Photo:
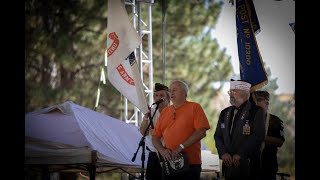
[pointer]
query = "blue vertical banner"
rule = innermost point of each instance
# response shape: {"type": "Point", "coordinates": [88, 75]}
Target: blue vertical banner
{"type": "Point", "coordinates": [250, 61]}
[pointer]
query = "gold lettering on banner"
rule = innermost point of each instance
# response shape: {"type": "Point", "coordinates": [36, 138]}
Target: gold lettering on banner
{"type": "Point", "coordinates": [246, 32]}
{"type": "Point", "coordinates": [248, 53]}
{"type": "Point", "coordinates": [243, 14]}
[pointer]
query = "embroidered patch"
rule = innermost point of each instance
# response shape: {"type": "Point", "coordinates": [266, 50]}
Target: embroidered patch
{"type": "Point", "coordinates": [222, 126]}
{"type": "Point", "coordinates": [246, 128]}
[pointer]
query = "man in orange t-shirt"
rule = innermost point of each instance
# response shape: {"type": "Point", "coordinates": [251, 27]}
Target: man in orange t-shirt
{"type": "Point", "coordinates": [182, 126]}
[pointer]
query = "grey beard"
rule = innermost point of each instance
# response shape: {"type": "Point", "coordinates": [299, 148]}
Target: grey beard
{"type": "Point", "coordinates": [236, 102]}
{"type": "Point", "coordinates": [232, 101]}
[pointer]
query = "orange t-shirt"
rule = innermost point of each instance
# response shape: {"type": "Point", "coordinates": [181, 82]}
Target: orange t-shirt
{"type": "Point", "coordinates": [188, 117]}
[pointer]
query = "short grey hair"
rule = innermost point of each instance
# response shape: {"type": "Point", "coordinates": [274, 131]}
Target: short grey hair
{"type": "Point", "coordinates": [181, 84]}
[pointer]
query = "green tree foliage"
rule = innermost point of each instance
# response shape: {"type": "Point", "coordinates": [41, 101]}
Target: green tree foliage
{"type": "Point", "coordinates": [65, 42]}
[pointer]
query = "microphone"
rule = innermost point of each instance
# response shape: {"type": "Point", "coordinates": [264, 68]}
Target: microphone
{"type": "Point", "coordinates": [159, 101]}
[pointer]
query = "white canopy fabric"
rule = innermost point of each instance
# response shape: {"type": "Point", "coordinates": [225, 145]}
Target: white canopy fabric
{"type": "Point", "coordinates": [210, 162]}
{"type": "Point", "coordinates": [68, 133]}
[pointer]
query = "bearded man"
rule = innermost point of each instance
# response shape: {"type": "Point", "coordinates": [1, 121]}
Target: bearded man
{"type": "Point", "coordinates": [239, 133]}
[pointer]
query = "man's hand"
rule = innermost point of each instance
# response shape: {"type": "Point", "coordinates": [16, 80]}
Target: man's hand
{"type": "Point", "coordinates": [145, 123]}
{"type": "Point", "coordinates": [166, 154]}
{"type": "Point", "coordinates": [226, 159]}
{"type": "Point", "coordinates": [236, 160]}
{"type": "Point", "coordinates": [175, 153]}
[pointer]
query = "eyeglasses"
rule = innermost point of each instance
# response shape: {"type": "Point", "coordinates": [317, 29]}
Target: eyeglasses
{"type": "Point", "coordinates": [232, 91]}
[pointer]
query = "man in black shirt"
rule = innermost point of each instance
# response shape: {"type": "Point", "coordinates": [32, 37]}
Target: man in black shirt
{"type": "Point", "coordinates": [274, 138]}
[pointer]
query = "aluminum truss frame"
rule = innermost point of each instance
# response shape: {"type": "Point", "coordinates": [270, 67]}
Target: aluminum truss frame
{"type": "Point", "coordinates": [144, 57]}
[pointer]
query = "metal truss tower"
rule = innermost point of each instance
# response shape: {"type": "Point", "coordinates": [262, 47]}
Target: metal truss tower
{"type": "Point", "coordinates": [144, 56]}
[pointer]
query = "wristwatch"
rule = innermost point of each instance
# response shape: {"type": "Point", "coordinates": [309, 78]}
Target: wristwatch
{"type": "Point", "coordinates": [182, 146]}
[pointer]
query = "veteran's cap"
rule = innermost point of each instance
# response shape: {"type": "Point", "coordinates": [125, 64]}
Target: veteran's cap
{"type": "Point", "coordinates": [239, 84]}
{"type": "Point", "coordinates": [262, 95]}
{"type": "Point", "coordinates": [159, 87]}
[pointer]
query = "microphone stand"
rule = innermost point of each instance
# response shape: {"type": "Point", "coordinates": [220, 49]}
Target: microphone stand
{"type": "Point", "coordinates": [142, 142]}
